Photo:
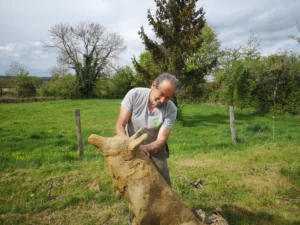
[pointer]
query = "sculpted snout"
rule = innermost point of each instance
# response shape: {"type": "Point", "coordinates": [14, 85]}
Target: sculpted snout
{"type": "Point", "coordinates": [98, 141]}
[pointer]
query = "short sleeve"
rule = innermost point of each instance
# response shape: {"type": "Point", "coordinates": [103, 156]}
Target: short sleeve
{"type": "Point", "coordinates": [127, 102]}
{"type": "Point", "coordinates": [170, 116]}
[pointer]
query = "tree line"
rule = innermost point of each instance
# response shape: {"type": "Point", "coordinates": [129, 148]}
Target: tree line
{"type": "Point", "coordinates": [245, 78]}
{"type": "Point", "coordinates": [184, 45]}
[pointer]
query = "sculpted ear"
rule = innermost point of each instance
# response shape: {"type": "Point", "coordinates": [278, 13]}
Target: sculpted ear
{"type": "Point", "coordinates": [97, 141]}
{"type": "Point", "coordinates": [138, 141]}
{"type": "Point", "coordinates": [138, 134]}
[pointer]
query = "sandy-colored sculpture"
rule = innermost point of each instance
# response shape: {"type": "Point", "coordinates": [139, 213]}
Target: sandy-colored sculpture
{"type": "Point", "coordinates": [151, 199]}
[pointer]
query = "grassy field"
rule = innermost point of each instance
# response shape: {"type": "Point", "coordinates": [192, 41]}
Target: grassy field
{"type": "Point", "coordinates": [43, 181]}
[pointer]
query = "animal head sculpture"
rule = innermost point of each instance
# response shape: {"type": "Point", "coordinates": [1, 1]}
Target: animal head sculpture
{"type": "Point", "coordinates": [121, 154]}
{"type": "Point", "coordinates": [119, 145]}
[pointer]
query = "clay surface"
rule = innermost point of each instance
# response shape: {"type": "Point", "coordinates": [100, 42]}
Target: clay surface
{"type": "Point", "coordinates": [151, 199]}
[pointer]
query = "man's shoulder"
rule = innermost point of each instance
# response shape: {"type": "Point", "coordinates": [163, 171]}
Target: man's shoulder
{"type": "Point", "coordinates": [140, 90]}
{"type": "Point", "coordinates": [168, 108]}
{"type": "Point", "coordinates": [137, 95]}
{"type": "Point", "coordinates": [171, 105]}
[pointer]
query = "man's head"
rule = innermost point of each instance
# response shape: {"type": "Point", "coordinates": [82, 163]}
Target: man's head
{"type": "Point", "coordinates": [163, 88]}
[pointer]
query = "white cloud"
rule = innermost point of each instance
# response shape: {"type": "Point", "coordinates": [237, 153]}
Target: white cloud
{"type": "Point", "coordinates": [30, 54]}
{"type": "Point", "coordinates": [24, 24]}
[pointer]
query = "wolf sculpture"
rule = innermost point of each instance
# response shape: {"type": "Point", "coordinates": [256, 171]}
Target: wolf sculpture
{"type": "Point", "coordinates": [151, 199]}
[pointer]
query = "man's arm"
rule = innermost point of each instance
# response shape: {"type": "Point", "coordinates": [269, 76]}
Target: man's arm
{"type": "Point", "coordinates": [123, 119]}
{"type": "Point", "coordinates": [160, 142]}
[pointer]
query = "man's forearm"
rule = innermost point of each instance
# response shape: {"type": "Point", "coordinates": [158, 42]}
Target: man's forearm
{"type": "Point", "coordinates": [120, 130]}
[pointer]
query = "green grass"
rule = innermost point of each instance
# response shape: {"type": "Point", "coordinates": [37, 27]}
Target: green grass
{"type": "Point", "coordinates": [255, 182]}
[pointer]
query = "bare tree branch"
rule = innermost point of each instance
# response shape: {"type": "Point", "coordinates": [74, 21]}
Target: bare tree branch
{"type": "Point", "coordinates": [88, 48]}
{"type": "Point", "coordinates": [294, 37]}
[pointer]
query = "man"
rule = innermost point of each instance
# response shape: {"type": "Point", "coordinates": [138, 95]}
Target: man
{"type": "Point", "coordinates": [152, 110]}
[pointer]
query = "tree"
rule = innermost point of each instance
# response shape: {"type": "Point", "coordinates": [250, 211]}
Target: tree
{"type": "Point", "coordinates": [230, 69]}
{"type": "Point", "coordinates": [276, 73]}
{"type": "Point", "coordinates": [58, 71]}
{"type": "Point", "coordinates": [123, 81]}
{"type": "Point", "coordinates": [177, 25]}
{"type": "Point", "coordinates": [202, 62]}
{"type": "Point", "coordinates": [118, 85]}
{"type": "Point", "coordinates": [147, 70]}
{"type": "Point", "coordinates": [278, 84]}
{"type": "Point", "coordinates": [246, 79]}
{"type": "Point", "coordinates": [291, 95]}
{"type": "Point", "coordinates": [4, 83]}
{"type": "Point", "coordinates": [26, 85]}
{"type": "Point", "coordinates": [86, 48]}
{"type": "Point", "coordinates": [236, 77]}
{"type": "Point", "coordinates": [64, 86]}
{"type": "Point", "coordinates": [294, 36]}
{"type": "Point", "coordinates": [251, 57]}
{"type": "Point", "coordinates": [15, 68]}
{"type": "Point", "coordinates": [104, 88]}
{"type": "Point", "coordinates": [223, 79]}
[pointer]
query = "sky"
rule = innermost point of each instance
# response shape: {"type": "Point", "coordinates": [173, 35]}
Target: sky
{"type": "Point", "coordinates": [25, 24]}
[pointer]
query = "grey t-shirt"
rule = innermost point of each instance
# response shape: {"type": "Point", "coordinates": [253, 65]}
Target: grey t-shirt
{"type": "Point", "coordinates": [136, 102]}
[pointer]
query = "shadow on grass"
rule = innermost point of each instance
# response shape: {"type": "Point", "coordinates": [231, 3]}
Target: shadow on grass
{"type": "Point", "coordinates": [196, 120]}
{"type": "Point", "coordinates": [236, 216]}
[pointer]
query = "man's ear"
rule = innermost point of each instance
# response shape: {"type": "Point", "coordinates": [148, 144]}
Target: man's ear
{"type": "Point", "coordinates": [153, 85]}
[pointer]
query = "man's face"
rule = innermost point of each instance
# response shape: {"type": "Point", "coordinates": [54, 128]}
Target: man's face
{"type": "Point", "coordinates": [162, 94]}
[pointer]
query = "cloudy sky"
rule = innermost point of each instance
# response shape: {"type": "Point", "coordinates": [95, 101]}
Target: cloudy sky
{"type": "Point", "coordinates": [24, 24]}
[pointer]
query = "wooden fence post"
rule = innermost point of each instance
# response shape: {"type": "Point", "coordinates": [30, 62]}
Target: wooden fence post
{"type": "Point", "coordinates": [79, 134]}
{"type": "Point", "coordinates": [232, 126]}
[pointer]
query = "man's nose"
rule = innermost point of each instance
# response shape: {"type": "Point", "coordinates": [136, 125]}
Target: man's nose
{"type": "Point", "coordinates": [163, 100]}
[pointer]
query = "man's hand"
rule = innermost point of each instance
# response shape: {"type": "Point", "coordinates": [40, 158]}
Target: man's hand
{"type": "Point", "coordinates": [149, 148]}
{"type": "Point", "coordinates": [145, 150]}
{"type": "Point", "coordinates": [157, 145]}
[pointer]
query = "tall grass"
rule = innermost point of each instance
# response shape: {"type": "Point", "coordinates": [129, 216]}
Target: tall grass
{"type": "Point", "coordinates": [255, 182]}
